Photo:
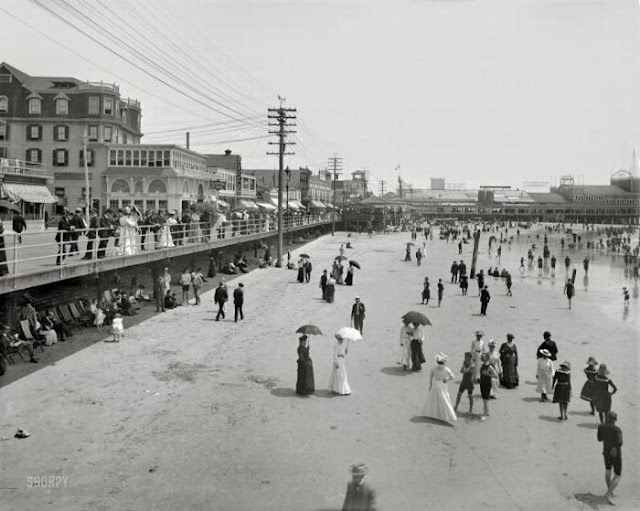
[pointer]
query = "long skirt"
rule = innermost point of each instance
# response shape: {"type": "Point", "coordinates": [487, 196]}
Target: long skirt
{"type": "Point", "coordinates": [338, 382]}
{"type": "Point", "coordinates": [510, 376]}
{"type": "Point", "coordinates": [438, 403]}
{"type": "Point", "coordinates": [588, 392]}
{"type": "Point", "coordinates": [301, 274]}
{"type": "Point", "coordinates": [349, 279]}
{"type": "Point", "coordinates": [562, 393]}
{"type": "Point", "coordinates": [417, 356]}
{"type": "Point", "coordinates": [545, 382]}
{"type": "Point", "coordinates": [305, 383]}
{"type": "Point", "coordinates": [404, 354]}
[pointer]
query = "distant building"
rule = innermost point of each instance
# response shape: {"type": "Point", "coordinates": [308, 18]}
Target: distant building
{"type": "Point", "coordinates": [437, 183]}
{"type": "Point", "coordinates": [244, 188]}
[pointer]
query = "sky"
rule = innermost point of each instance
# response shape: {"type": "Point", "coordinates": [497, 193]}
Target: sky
{"type": "Point", "coordinates": [480, 92]}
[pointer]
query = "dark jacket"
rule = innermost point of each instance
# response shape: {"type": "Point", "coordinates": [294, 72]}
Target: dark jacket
{"type": "Point", "coordinates": [19, 223]}
{"type": "Point", "coordinates": [63, 230]}
{"type": "Point", "coordinates": [105, 227]}
{"type": "Point", "coordinates": [358, 309]}
{"type": "Point", "coordinates": [238, 296]}
{"type": "Point", "coordinates": [550, 345]}
{"type": "Point", "coordinates": [485, 296]}
{"type": "Point", "coordinates": [93, 224]}
{"type": "Point", "coordinates": [221, 295]}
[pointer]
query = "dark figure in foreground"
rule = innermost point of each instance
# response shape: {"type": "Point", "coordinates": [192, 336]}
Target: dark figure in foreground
{"type": "Point", "coordinates": [305, 384]}
{"type": "Point", "coordinates": [220, 298]}
{"type": "Point", "coordinates": [611, 437]}
{"type": "Point", "coordinates": [359, 497]}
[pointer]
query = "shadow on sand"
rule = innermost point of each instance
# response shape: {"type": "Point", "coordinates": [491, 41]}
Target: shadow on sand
{"type": "Point", "coordinates": [428, 420]}
{"type": "Point", "coordinates": [531, 399]}
{"type": "Point", "coordinates": [549, 418]}
{"type": "Point", "coordinates": [395, 371]}
{"type": "Point", "coordinates": [588, 425]}
{"type": "Point", "coordinates": [286, 392]}
{"type": "Point", "coordinates": [591, 500]}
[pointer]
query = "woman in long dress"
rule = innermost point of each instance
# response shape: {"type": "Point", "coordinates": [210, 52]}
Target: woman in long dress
{"type": "Point", "coordinates": [426, 292]}
{"type": "Point", "coordinates": [417, 355]}
{"type": "Point", "coordinates": [301, 270]}
{"type": "Point", "coordinates": [128, 231]}
{"type": "Point", "coordinates": [4, 269]}
{"type": "Point", "coordinates": [494, 360]}
{"type": "Point", "coordinates": [338, 383]}
{"type": "Point", "coordinates": [349, 278]}
{"type": "Point", "coordinates": [305, 384]}
{"type": "Point", "coordinates": [509, 359]}
{"type": "Point", "coordinates": [544, 375]}
{"type": "Point", "coordinates": [602, 396]}
{"type": "Point", "coordinates": [404, 348]}
{"type": "Point", "coordinates": [438, 404]}
{"type": "Point", "coordinates": [588, 391]}
{"type": "Point", "coordinates": [166, 239]}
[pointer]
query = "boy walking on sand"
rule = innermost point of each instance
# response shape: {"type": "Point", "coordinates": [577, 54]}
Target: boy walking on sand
{"type": "Point", "coordinates": [467, 370]}
{"type": "Point", "coordinates": [611, 437]}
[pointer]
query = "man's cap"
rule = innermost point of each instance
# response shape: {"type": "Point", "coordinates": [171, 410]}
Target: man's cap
{"type": "Point", "coordinates": [241, 284]}
{"type": "Point", "coordinates": [479, 332]}
{"type": "Point", "coordinates": [611, 415]}
{"type": "Point", "coordinates": [546, 335]}
{"type": "Point", "coordinates": [357, 298]}
{"type": "Point", "coordinates": [78, 210]}
{"type": "Point", "coordinates": [359, 469]}
{"type": "Point", "coordinates": [510, 336]}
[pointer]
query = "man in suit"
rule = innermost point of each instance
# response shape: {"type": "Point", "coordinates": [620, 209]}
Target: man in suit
{"type": "Point", "coordinates": [357, 314]}
{"type": "Point", "coordinates": [238, 301]}
{"type": "Point", "coordinates": [19, 224]}
{"type": "Point", "coordinates": [484, 300]}
{"type": "Point", "coordinates": [94, 223]}
{"type": "Point", "coordinates": [78, 226]}
{"type": "Point", "coordinates": [360, 496]}
{"type": "Point", "coordinates": [105, 230]}
{"type": "Point", "coordinates": [220, 298]}
{"type": "Point", "coordinates": [549, 345]}
{"type": "Point", "coordinates": [62, 236]}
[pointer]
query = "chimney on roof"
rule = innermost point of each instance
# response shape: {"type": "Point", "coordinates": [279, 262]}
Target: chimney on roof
{"type": "Point", "coordinates": [227, 152]}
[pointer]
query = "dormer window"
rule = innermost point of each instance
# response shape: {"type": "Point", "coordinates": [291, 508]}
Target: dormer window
{"type": "Point", "coordinates": [62, 106]}
{"type": "Point", "coordinates": [4, 104]}
{"type": "Point", "coordinates": [35, 106]}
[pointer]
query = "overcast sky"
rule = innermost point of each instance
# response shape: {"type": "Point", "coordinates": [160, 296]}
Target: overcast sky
{"type": "Point", "coordinates": [482, 92]}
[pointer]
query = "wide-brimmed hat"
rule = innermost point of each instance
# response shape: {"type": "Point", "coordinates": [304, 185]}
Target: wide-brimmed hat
{"type": "Point", "coordinates": [602, 369]}
{"type": "Point", "coordinates": [359, 469]}
{"type": "Point", "coordinates": [441, 357]}
{"type": "Point", "coordinates": [566, 365]}
{"type": "Point", "coordinates": [592, 361]}
{"type": "Point", "coordinates": [492, 342]}
{"type": "Point", "coordinates": [511, 336]}
{"type": "Point", "coordinates": [545, 353]}
{"type": "Point", "coordinates": [479, 332]}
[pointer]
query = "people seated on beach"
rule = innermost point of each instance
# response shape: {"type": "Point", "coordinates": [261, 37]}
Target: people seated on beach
{"type": "Point", "coordinates": [46, 331]}
{"type": "Point", "coordinates": [60, 329]}
{"type": "Point", "coordinates": [124, 305]}
{"type": "Point", "coordinates": [504, 273]}
{"type": "Point", "coordinates": [348, 245]}
{"type": "Point", "coordinates": [141, 295]}
{"type": "Point", "coordinates": [9, 341]}
{"type": "Point", "coordinates": [170, 301]}
{"type": "Point", "coordinates": [229, 268]}
{"type": "Point", "coordinates": [242, 263]}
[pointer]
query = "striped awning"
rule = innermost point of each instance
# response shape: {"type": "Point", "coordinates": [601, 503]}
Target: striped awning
{"type": "Point", "coordinates": [293, 205]}
{"type": "Point", "coordinates": [299, 204]}
{"type": "Point", "coordinates": [39, 194]}
{"type": "Point", "coordinates": [266, 205]}
{"type": "Point", "coordinates": [248, 204]}
{"type": "Point", "coordinates": [317, 204]}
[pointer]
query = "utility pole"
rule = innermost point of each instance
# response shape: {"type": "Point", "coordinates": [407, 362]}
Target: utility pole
{"type": "Point", "coordinates": [281, 115]}
{"type": "Point", "coordinates": [85, 137]}
{"type": "Point", "coordinates": [336, 164]}
{"type": "Point", "coordinates": [384, 208]}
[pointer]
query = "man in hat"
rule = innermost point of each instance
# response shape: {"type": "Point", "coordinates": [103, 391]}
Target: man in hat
{"type": "Point", "coordinates": [238, 301]}
{"type": "Point", "coordinates": [105, 230]}
{"type": "Point", "coordinates": [357, 314]}
{"type": "Point", "coordinates": [454, 272]}
{"type": "Point", "coordinates": [484, 300]}
{"type": "Point", "coordinates": [477, 348]}
{"type": "Point", "coordinates": [220, 298]}
{"type": "Point", "coordinates": [78, 226]}
{"type": "Point", "coordinates": [611, 437]}
{"type": "Point", "coordinates": [94, 223]}
{"type": "Point", "coordinates": [19, 224]}
{"type": "Point", "coordinates": [360, 496]}
{"type": "Point", "coordinates": [63, 236]}
{"type": "Point", "coordinates": [10, 340]}
{"type": "Point", "coordinates": [549, 345]}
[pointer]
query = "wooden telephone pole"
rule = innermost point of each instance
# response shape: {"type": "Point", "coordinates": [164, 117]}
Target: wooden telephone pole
{"type": "Point", "coordinates": [281, 115]}
{"type": "Point", "coordinates": [335, 163]}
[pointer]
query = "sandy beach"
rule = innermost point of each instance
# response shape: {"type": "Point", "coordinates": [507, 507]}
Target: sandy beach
{"type": "Point", "coordinates": [191, 413]}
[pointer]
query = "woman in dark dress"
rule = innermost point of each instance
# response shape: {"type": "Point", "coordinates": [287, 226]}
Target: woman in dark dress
{"type": "Point", "coordinates": [349, 278]}
{"type": "Point", "coordinates": [509, 360]}
{"type": "Point", "coordinates": [4, 269]}
{"type": "Point", "coordinates": [562, 388]}
{"type": "Point", "coordinates": [601, 394]}
{"type": "Point", "coordinates": [426, 291]}
{"type": "Point", "coordinates": [301, 270]}
{"type": "Point", "coordinates": [588, 389]}
{"type": "Point", "coordinates": [305, 384]}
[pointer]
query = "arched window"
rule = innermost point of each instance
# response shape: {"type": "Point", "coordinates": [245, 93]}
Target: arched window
{"type": "Point", "coordinates": [120, 186]}
{"type": "Point", "coordinates": [4, 104]}
{"type": "Point", "coordinates": [185, 188]}
{"type": "Point", "coordinates": [157, 186]}
{"type": "Point", "coordinates": [137, 187]}
{"type": "Point", "coordinates": [200, 192]}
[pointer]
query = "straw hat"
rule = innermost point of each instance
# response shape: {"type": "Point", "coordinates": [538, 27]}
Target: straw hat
{"type": "Point", "coordinates": [359, 469]}
{"type": "Point", "coordinates": [492, 342]}
{"type": "Point", "coordinates": [441, 358]}
{"type": "Point", "coordinates": [545, 353]}
{"type": "Point", "coordinates": [592, 361]}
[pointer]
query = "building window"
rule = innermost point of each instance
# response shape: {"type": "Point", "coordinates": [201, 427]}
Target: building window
{"type": "Point", "coordinates": [108, 133]}
{"type": "Point", "coordinates": [94, 106]}
{"type": "Point", "coordinates": [114, 204]}
{"type": "Point", "coordinates": [124, 138]}
{"type": "Point", "coordinates": [60, 157]}
{"type": "Point", "coordinates": [125, 202]}
{"type": "Point", "coordinates": [61, 133]}
{"type": "Point", "coordinates": [143, 158]}
{"type": "Point", "coordinates": [157, 186]}
{"type": "Point", "coordinates": [139, 204]}
{"type": "Point", "coordinates": [127, 158]}
{"type": "Point", "coordinates": [62, 106]}
{"type": "Point", "coordinates": [136, 158]}
{"type": "Point", "coordinates": [108, 106]}
{"type": "Point", "coordinates": [151, 205]}
{"type": "Point", "coordinates": [89, 157]}
{"type": "Point", "coordinates": [34, 132]}
{"type": "Point", "coordinates": [35, 106]}
{"type": "Point", "coordinates": [4, 104]}
{"type": "Point", "coordinates": [120, 186]}
{"type": "Point", "coordinates": [34, 155]}
{"type": "Point", "coordinates": [124, 116]}
{"type": "Point", "coordinates": [3, 131]}
{"type": "Point", "coordinates": [167, 158]}
{"type": "Point", "coordinates": [93, 133]}
{"type": "Point", "coordinates": [163, 205]}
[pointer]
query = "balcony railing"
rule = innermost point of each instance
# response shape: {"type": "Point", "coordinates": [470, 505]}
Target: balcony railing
{"type": "Point", "coordinates": [112, 87]}
{"type": "Point", "coordinates": [21, 167]}
{"type": "Point", "coordinates": [133, 103]}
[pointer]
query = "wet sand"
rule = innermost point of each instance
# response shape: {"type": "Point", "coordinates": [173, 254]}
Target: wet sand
{"type": "Point", "coordinates": [191, 413]}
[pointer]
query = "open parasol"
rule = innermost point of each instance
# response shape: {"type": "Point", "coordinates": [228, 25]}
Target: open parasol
{"type": "Point", "coordinates": [410, 244]}
{"type": "Point", "coordinates": [348, 334]}
{"type": "Point", "coordinates": [355, 263]}
{"type": "Point", "coordinates": [305, 256]}
{"type": "Point", "coordinates": [9, 206]}
{"type": "Point", "coordinates": [416, 317]}
{"type": "Point", "coordinates": [341, 258]}
{"type": "Point", "coordinates": [309, 330]}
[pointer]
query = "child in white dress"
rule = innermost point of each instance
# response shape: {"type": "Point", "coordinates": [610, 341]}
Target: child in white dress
{"type": "Point", "coordinates": [117, 327]}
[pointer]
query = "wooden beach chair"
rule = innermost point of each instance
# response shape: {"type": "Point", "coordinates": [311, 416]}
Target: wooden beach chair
{"type": "Point", "coordinates": [66, 315]}
{"type": "Point", "coordinates": [37, 340]}
{"type": "Point", "coordinates": [81, 318]}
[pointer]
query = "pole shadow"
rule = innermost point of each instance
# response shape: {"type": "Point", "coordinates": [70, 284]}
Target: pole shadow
{"type": "Point", "coordinates": [584, 414]}
{"type": "Point", "coordinates": [395, 371]}
{"type": "Point", "coordinates": [588, 425]}
{"type": "Point", "coordinates": [428, 420]}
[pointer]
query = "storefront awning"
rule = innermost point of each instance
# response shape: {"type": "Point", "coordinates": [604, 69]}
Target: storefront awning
{"type": "Point", "coordinates": [293, 205]}
{"type": "Point", "coordinates": [248, 204]}
{"type": "Point", "coordinates": [39, 194]}
{"type": "Point", "coordinates": [266, 205]}
{"type": "Point", "coordinates": [222, 203]}
{"type": "Point", "coordinates": [299, 204]}
{"type": "Point", "coordinates": [317, 204]}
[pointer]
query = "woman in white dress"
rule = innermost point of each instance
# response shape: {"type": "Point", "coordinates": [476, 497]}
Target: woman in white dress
{"type": "Point", "coordinates": [494, 360]}
{"type": "Point", "coordinates": [166, 240]}
{"type": "Point", "coordinates": [404, 349]}
{"type": "Point", "coordinates": [128, 231]}
{"type": "Point", "coordinates": [338, 383]}
{"type": "Point", "coordinates": [438, 404]}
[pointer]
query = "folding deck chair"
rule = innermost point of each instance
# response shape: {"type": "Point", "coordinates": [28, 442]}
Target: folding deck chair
{"type": "Point", "coordinates": [25, 327]}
